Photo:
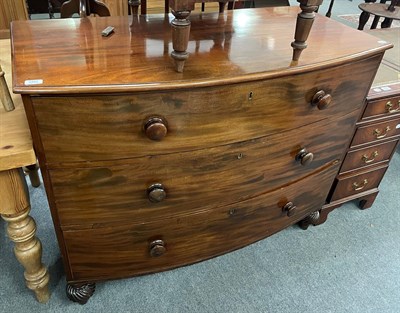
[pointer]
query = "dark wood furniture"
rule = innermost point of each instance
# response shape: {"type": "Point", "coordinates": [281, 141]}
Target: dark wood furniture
{"type": "Point", "coordinates": [147, 169]}
{"type": "Point", "coordinates": [390, 12]}
{"type": "Point", "coordinates": [376, 136]}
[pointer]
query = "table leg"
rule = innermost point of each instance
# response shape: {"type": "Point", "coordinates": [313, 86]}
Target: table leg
{"type": "Point", "coordinates": [305, 20]}
{"type": "Point", "coordinates": [21, 229]}
{"type": "Point", "coordinates": [364, 17]}
{"type": "Point", "coordinates": [33, 172]}
{"type": "Point", "coordinates": [180, 38]}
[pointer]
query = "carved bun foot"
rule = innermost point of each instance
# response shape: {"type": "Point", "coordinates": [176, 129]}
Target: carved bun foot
{"type": "Point", "coordinates": [80, 293]}
{"type": "Point", "coordinates": [312, 219]}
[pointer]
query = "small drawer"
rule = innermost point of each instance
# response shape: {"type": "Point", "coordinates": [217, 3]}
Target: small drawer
{"type": "Point", "coordinates": [368, 156]}
{"type": "Point", "coordinates": [348, 185]}
{"type": "Point", "coordinates": [135, 248]}
{"type": "Point", "coordinates": [376, 132]}
{"type": "Point", "coordinates": [383, 107]}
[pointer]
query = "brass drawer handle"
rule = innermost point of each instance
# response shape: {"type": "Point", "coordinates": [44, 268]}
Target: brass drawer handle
{"type": "Point", "coordinates": [290, 209]}
{"type": "Point", "coordinates": [360, 186]}
{"type": "Point", "coordinates": [321, 100]}
{"type": "Point", "coordinates": [389, 107]}
{"type": "Point", "coordinates": [379, 134]}
{"type": "Point", "coordinates": [369, 159]}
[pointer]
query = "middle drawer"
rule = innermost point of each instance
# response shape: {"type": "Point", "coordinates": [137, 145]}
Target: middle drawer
{"type": "Point", "coordinates": [206, 178]}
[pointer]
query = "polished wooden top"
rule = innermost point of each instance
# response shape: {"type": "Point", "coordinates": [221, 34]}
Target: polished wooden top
{"type": "Point", "coordinates": [15, 139]}
{"type": "Point", "coordinates": [71, 56]}
{"type": "Point", "coordinates": [387, 79]}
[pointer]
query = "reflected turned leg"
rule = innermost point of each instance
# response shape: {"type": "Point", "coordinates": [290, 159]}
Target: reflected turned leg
{"type": "Point", "coordinates": [180, 38]}
{"type": "Point", "coordinates": [21, 229]}
{"type": "Point", "coordinates": [305, 20]}
{"type": "Point", "coordinates": [134, 4]}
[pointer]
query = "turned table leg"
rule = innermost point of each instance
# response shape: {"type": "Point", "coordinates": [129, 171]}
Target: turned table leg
{"type": "Point", "coordinates": [305, 20]}
{"type": "Point", "coordinates": [21, 229]}
{"type": "Point", "coordinates": [134, 4]}
{"type": "Point", "coordinates": [364, 16]}
{"type": "Point", "coordinates": [180, 38]}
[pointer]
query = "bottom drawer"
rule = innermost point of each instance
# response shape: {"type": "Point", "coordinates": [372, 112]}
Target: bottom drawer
{"type": "Point", "coordinates": [349, 185]}
{"type": "Point", "coordinates": [117, 251]}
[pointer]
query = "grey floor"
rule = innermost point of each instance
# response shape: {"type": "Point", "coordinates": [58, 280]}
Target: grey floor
{"type": "Point", "coordinates": [349, 264]}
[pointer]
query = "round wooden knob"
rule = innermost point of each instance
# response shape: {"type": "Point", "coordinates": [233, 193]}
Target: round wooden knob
{"type": "Point", "coordinates": [156, 193]}
{"type": "Point", "coordinates": [304, 157]}
{"type": "Point", "coordinates": [290, 209]}
{"type": "Point", "coordinates": [157, 248]}
{"type": "Point", "coordinates": [156, 128]}
{"type": "Point", "coordinates": [321, 100]}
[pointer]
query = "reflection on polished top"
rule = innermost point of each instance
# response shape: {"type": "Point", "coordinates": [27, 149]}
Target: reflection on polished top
{"type": "Point", "coordinates": [70, 55]}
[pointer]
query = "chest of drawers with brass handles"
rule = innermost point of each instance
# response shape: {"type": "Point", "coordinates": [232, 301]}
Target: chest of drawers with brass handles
{"type": "Point", "coordinates": [147, 169]}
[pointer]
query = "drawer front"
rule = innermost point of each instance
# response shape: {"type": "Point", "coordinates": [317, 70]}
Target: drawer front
{"type": "Point", "coordinates": [75, 129]}
{"type": "Point", "coordinates": [384, 107]}
{"type": "Point", "coordinates": [368, 156]}
{"type": "Point", "coordinates": [376, 132]}
{"type": "Point", "coordinates": [201, 179]}
{"type": "Point", "coordinates": [126, 250]}
{"type": "Point", "coordinates": [352, 185]}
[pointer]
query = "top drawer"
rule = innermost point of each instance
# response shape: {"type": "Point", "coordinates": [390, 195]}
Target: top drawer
{"type": "Point", "coordinates": [383, 107]}
{"type": "Point", "coordinates": [86, 128]}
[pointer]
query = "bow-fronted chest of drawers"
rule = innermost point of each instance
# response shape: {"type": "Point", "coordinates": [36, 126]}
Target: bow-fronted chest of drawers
{"type": "Point", "coordinates": [147, 169]}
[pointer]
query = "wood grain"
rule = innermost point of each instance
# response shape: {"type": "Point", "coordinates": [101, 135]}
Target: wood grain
{"type": "Point", "coordinates": [369, 133]}
{"type": "Point", "coordinates": [223, 48]}
{"type": "Point", "coordinates": [81, 129]}
{"type": "Point", "coordinates": [15, 140]}
{"type": "Point", "coordinates": [123, 250]}
{"type": "Point", "coordinates": [355, 159]}
{"type": "Point", "coordinates": [204, 179]}
{"type": "Point", "coordinates": [380, 108]}
{"type": "Point", "coordinates": [369, 178]}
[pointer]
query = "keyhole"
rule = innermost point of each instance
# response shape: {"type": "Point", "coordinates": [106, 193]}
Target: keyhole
{"type": "Point", "coordinates": [250, 95]}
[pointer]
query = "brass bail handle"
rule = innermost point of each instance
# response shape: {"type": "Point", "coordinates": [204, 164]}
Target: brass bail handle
{"type": "Point", "coordinates": [379, 134]}
{"type": "Point", "coordinates": [360, 186]}
{"type": "Point", "coordinates": [389, 107]}
{"type": "Point", "coordinates": [369, 159]}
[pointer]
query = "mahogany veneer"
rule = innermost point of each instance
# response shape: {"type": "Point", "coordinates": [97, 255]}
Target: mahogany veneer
{"type": "Point", "coordinates": [147, 169]}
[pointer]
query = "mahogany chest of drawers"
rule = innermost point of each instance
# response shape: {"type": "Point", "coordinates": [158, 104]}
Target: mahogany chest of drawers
{"type": "Point", "coordinates": [147, 169]}
{"type": "Point", "coordinates": [376, 136]}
